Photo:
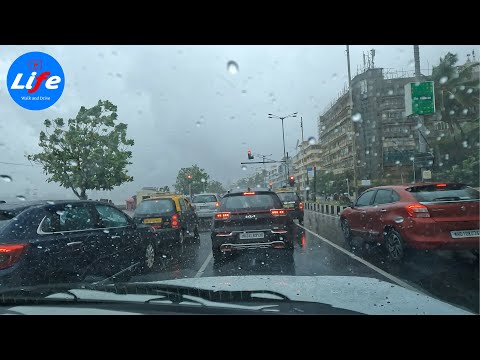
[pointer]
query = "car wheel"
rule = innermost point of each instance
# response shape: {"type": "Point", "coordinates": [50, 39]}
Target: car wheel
{"type": "Point", "coordinates": [149, 258]}
{"type": "Point", "coordinates": [347, 232]}
{"type": "Point", "coordinates": [395, 246]}
{"type": "Point", "coordinates": [218, 258]}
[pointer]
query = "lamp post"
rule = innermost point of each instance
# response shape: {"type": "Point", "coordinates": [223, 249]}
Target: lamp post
{"type": "Point", "coordinates": [272, 116]}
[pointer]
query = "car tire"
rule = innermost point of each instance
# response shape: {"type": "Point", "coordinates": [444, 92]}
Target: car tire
{"type": "Point", "coordinates": [395, 246]}
{"type": "Point", "coordinates": [300, 221]}
{"type": "Point", "coordinates": [149, 258]}
{"type": "Point", "coordinates": [218, 257]}
{"type": "Point", "coordinates": [347, 232]}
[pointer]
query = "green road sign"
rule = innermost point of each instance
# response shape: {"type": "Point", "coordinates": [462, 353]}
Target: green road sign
{"type": "Point", "coordinates": [419, 98]}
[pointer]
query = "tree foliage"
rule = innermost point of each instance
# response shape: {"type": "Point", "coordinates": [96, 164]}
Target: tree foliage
{"type": "Point", "coordinates": [216, 187]}
{"type": "Point", "coordinates": [88, 152]}
{"type": "Point", "coordinates": [197, 174]}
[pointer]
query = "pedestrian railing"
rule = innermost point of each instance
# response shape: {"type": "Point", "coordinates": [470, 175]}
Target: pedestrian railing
{"type": "Point", "coordinates": [328, 209]}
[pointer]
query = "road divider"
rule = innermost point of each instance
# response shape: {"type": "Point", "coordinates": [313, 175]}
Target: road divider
{"type": "Point", "coordinates": [327, 209]}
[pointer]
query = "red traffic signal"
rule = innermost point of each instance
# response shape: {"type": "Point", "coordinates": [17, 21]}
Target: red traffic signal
{"type": "Point", "coordinates": [291, 180]}
{"type": "Point", "coordinates": [249, 153]}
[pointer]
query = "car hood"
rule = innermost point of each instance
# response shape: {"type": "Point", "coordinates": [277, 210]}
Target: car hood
{"type": "Point", "coordinates": [360, 294]}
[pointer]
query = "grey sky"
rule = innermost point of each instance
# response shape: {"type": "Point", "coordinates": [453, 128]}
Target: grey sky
{"type": "Point", "coordinates": [183, 107]}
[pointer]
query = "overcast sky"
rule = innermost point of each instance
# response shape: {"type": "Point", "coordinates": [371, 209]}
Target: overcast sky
{"type": "Point", "coordinates": [183, 107]}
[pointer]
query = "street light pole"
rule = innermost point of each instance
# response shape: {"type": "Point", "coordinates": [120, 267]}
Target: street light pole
{"type": "Point", "coordinates": [348, 187]}
{"type": "Point", "coordinates": [271, 116]}
{"type": "Point", "coordinates": [350, 107]}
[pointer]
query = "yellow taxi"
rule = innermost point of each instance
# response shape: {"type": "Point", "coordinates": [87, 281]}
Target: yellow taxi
{"type": "Point", "coordinates": [171, 216]}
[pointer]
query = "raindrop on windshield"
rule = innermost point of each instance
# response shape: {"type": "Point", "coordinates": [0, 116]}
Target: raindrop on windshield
{"type": "Point", "coordinates": [334, 76]}
{"type": "Point", "coordinates": [451, 96]}
{"type": "Point", "coordinates": [232, 67]}
{"type": "Point", "coordinates": [398, 219]}
{"type": "Point", "coordinates": [51, 202]}
{"type": "Point", "coordinates": [451, 112]}
{"type": "Point", "coordinates": [367, 152]}
{"type": "Point", "coordinates": [465, 144]}
{"type": "Point", "coordinates": [198, 123]}
{"type": "Point", "coordinates": [21, 197]}
{"type": "Point", "coordinates": [232, 117]}
{"type": "Point", "coordinates": [311, 140]}
{"type": "Point", "coordinates": [258, 185]}
{"type": "Point", "coordinates": [307, 188]}
{"type": "Point", "coordinates": [106, 231]}
{"type": "Point", "coordinates": [114, 53]}
{"type": "Point", "coordinates": [390, 92]}
{"type": "Point", "coordinates": [465, 111]}
{"type": "Point", "coordinates": [443, 80]}
{"type": "Point", "coordinates": [356, 117]}
{"type": "Point", "coordinates": [469, 91]}
{"type": "Point", "coordinates": [244, 91]}
{"type": "Point", "coordinates": [6, 178]}
{"type": "Point", "coordinates": [164, 256]}
{"type": "Point", "coordinates": [60, 212]}
{"type": "Point", "coordinates": [397, 162]}
{"type": "Point", "coordinates": [72, 163]}
{"type": "Point", "coordinates": [244, 167]}
{"type": "Point", "coordinates": [118, 75]}
{"type": "Point", "coordinates": [462, 87]}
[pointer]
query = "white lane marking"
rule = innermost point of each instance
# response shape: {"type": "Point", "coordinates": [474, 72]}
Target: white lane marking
{"type": "Point", "coordinates": [366, 263]}
{"type": "Point", "coordinates": [204, 265]}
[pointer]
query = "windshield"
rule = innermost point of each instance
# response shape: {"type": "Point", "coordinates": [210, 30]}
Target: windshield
{"type": "Point", "coordinates": [330, 171]}
{"type": "Point", "coordinates": [287, 196]}
{"type": "Point", "coordinates": [447, 192]}
{"type": "Point", "coordinates": [204, 198]}
{"type": "Point", "coordinates": [161, 206]}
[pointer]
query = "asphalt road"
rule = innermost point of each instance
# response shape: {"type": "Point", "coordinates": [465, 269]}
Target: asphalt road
{"type": "Point", "coordinates": [450, 276]}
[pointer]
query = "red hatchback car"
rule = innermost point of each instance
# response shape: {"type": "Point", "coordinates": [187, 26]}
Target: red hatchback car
{"type": "Point", "coordinates": [424, 216]}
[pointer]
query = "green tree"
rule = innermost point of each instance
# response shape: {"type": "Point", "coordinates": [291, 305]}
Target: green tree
{"type": "Point", "coordinates": [89, 152]}
{"type": "Point", "coordinates": [197, 174]}
{"type": "Point", "coordinates": [165, 188]}
{"type": "Point", "coordinates": [216, 187]}
{"type": "Point", "coordinates": [456, 91]}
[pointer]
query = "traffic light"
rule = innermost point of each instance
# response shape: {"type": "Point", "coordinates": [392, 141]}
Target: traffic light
{"type": "Point", "coordinates": [250, 156]}
{"type": "Point", "coordinates": [291, 180]}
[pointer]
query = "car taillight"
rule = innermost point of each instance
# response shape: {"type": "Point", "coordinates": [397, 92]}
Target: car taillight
{"type": "Point", "coordinates": [174, 222]}
{"type": "Point", "coordinates": [441, 185]}
{"type": "Point", "coordinates": [10, 254]}
{"type": "Point", "coordinates": [217, 204]}
{"type": "Point", "coordinates": [222, 216]}
{"type": "Point", "coordinates": [249, 193]}
{"type": "Point", "coordinates": [300, 205]}
{"type": "Point", "coordinates": [418, 211]}
{"type": "Point", "coordinates": [278, 212]}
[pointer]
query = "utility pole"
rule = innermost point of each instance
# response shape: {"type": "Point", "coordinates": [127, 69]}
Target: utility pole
{"type": "Point", "coordinates": [314, 183]}
{"type": "Point", "coordinates": [350, 112]}
{"type": "Point", "coordinates": [421, 140]}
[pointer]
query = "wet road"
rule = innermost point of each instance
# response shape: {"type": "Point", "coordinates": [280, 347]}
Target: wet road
{"type": "Point", "coordinates": [450, 276]}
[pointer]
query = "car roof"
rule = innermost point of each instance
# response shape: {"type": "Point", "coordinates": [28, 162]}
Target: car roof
{"type": "Point", "coordinates": [284, 190]}
{"type": "Point", "coordinates": [205, 194]}
{"type": "Point", "coordinates": [408, 186]}
{"type": "Point", "coordinates": [165, 196]}
{"type": "Point", "coordinates": [27, 204]}
{"type": "Point", "coordinates": [241, 191]}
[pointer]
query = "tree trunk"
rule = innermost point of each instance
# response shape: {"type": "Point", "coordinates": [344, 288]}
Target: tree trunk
{"type": "Point", "coordinates": [83, 195]}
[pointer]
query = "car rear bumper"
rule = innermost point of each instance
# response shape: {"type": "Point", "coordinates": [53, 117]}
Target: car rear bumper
{"type": "Point", "coordinates": [233, 242]}
{"type": "Point", "coordinates": [206, 214]}
{"type": "Point", "coordinates": [435, 236]}
{"type": "Point", "coordinates": [295, 214]}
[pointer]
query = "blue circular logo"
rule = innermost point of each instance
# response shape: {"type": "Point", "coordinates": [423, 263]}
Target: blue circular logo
{"type": "Point", "coordinates": [35, 81]}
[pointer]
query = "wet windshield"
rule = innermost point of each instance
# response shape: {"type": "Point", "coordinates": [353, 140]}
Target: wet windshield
{"type": "Point", "coordinates": [160, 164]}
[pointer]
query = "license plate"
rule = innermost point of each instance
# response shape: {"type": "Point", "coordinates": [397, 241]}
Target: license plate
{"type": "Point", "coordinates": [288, 206]}
{"type": "Point", "coordinates": [152, 220]}
{"type": "Point", "coordinates": [255, 235]}
{"type": "Point", "coordinates": [464, 234]}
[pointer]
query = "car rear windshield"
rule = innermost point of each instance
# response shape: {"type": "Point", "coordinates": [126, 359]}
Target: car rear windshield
{"type": "Point", "coordinates": [254, 202]}
{"type": "Point", "coordinates": [444, 192]}
{"type": "Point", "coordinates": [204, 198]}
{"type": "Point", "coordinates": [158, 206]}
{"type": "Point", "coordinates": [288, 196]}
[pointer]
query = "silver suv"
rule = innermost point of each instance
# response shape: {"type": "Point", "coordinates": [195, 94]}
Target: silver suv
{"type": "Point", "coordinates": [206, 205]}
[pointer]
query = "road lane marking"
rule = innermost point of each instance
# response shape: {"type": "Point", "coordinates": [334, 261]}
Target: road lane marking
{"type": "Point", "coordinates": [204, 266]}
{"type": "Point", "coordinates": [364, 262]}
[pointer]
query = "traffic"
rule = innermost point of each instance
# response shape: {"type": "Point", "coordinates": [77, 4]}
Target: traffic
{"type": "Point", "coordinates": [240, 180]}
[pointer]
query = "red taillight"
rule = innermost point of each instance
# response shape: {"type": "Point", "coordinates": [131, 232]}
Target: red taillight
{"type": "Point", "coordinates": [441, 185]}
{"type": "Point", "coordinates": [249, 193]}
{"type": "Point", "coordinates": [418, 211]}
{"type": "Point", "coordinates": [174, 222]}
{"type": "Point", "coordinates": [222, 216]}
{"type": "Point", "coordinates": [217, 204]}
{"type": "Point", "coordinates": [300, 205]}
{"type": "Point", "coordinates": [10, 254]}
{"type": "Point", "coordinates": [278, 212]}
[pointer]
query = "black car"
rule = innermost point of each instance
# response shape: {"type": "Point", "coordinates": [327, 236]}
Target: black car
{"type": "Point", "coordinates": [250, 220]}
{"type": "Point", "coordinates": [292, 203]}
{"type": "Point", "coordinates": [63, 241]}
